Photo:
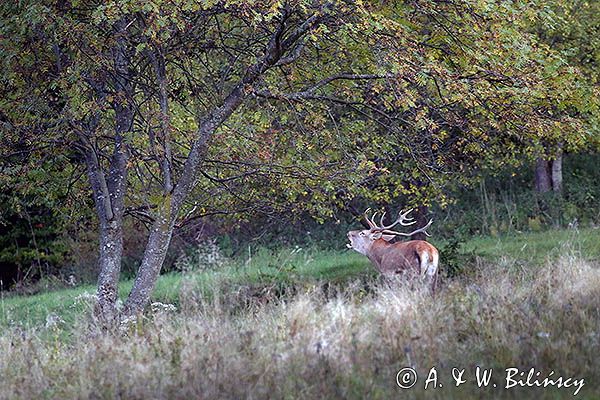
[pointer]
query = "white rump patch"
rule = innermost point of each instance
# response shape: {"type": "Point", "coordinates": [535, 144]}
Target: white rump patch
{"type": "Point", "coordinates": [424, 263]}
{"type": "Point", "coordinates": [431, 269]}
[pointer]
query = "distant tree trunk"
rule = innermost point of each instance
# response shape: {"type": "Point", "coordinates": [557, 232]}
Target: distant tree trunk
{"type": "Point", "coordinates": [543, 173]}
{"type": "Point", "coordinates": [548, 175]}
{"type": "Point", "coordinates": [557, 177]}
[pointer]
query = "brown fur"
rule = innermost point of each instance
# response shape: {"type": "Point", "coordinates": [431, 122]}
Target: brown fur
{"type": "Point", "coordinates": [394, 258]}
{"type": "Point", "coordinates": [415, 256]}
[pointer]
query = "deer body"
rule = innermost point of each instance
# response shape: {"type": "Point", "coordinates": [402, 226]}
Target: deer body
{"type": "Point", "coordinates": [392, 258]}
{"type": "Point", "coordinates": [415, 256]}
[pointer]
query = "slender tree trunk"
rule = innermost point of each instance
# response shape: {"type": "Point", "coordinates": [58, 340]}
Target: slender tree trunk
{"type": "Point", "coordinates": [154, 257]}
{"type": "Point", "coordinates": [557, 177]}
{"type": "Point", "coordinates": [548, 175]}
{"type": "Point", "coordinates": [164, 223]}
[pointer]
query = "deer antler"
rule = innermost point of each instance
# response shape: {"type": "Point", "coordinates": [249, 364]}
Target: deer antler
{"type": "Point", "coordinates": [366, 215]}
{"type": "Point", "coordinates": [423, 230]}
{"type": "Point", "coordinates": [403, 219]}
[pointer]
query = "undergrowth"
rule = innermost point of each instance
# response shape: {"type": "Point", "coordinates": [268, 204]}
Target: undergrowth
{"type": "Point", "coordinates": [336, 340]}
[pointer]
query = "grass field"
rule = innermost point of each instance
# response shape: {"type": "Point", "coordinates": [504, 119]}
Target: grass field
{"type": "Point", "coordinates": [308, 323]}
{"type": "Point", "coordinates": [301, 266]}
{"type": "Point", "coordinates": [263, 269]}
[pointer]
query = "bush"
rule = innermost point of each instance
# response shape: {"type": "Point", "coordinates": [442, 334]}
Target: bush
{"type": "Point", "coordinates": [31, 241]}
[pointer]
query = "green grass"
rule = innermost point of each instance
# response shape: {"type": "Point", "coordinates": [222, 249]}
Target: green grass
{"type": "Point", "coordinates": [260, 269]}
{"type": "Point", "coordinates": [295, 266]}
{"type": "Point", "coordinates": [537, 247]}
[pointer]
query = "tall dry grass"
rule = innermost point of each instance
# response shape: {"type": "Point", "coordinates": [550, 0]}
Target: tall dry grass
{"type": "Point", "coordinates": [344, 342]}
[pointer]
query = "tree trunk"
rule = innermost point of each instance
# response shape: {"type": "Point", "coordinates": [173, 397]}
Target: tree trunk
{"type": "Point", "coordinates": [109, 208]}
{"type": "Point", "coordinates": [162, 228]}
{"type": "Point", "coordinates": [543, 173]}
{"type": "Point", "coordinates": [548, 175]}
{"type": "Point", "coordinates": [154, 256]}
{"type": "Point", "coordinates": [111, 251]}
{"type": "Point", "coordinates": [111, 239]}
{"type": "Point", "coordinates": [557, 178]}
{"type": "Point", "coordinates": [109, 186]}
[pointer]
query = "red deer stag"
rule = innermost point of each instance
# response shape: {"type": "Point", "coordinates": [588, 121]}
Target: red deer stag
{"type": "Point", "coordinates": [415, 256]}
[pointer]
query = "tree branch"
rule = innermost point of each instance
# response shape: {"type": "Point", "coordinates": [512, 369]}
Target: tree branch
{"type": "Point", "coordinates": [310, 93]}
{"type": "Point", "coordinates": [166, 159]}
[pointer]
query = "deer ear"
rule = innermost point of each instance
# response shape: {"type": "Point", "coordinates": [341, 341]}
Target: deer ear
{"type": "Point", "coordinates": [376, 235]}
{"type": "Point", "coordinates": [388, 238]}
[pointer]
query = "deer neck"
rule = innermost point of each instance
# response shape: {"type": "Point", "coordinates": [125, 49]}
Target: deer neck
{"type": "Point", "coordinates": [377, 251]}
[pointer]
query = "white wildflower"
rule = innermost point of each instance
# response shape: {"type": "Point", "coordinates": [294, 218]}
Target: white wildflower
{"type": "Point", "coordinates": [127, 324]}
{"type": "Point", "coordinates": [207, 255]}
{"type": "Point", "coordinates": [159, 307]}
{"type": "Point", "coordinates": [53, 320]}
{"type": "Point", "coordinates": [85, 298]}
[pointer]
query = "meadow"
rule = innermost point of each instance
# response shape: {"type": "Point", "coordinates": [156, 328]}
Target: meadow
{"type": "Point", "coordinates": [312, 323]}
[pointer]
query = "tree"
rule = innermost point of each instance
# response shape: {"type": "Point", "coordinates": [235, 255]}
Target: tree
{"type": "Point", "coordinates": [473, 90]}
{"type": "Point", "coordinates": [143, 88]}
{"type": "Point", "coordinates": [570, 29]}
